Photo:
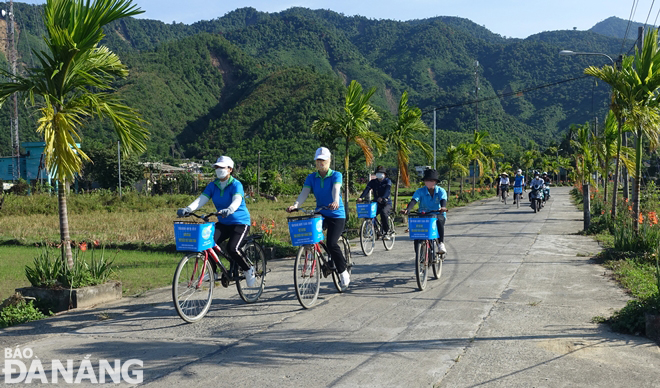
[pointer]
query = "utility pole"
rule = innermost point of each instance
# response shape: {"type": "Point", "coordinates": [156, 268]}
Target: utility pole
{"type": "Point", "coordinates": [434, 129]}
{"type": "Point", "coordinates": [14, 109]}
{"type": "Point", "coordinates": [119, 164]}
{"type": "Point", "coordinates": [476, 116]}
{"type": "Point", "coordinates": [258, 172]}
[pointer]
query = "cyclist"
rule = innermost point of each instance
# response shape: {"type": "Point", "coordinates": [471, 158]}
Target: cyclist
{"type": "Point", "coordinates": [518, 181]}
{"type": "Point", "coordinates": [536, 181]}
{"type": "Point", "coordinates": [325, 184]}
{"type": "Point", "coordinates": [503, 184]}
{"type": "Point", "coordinates": [432, 197]}
{"type": "Point", "coordinates": [381, 186]}
{"type": "Point", "coordinates": [233, 224]}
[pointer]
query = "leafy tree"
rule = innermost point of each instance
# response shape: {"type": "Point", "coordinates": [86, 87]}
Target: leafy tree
{"type": "Point", "coordinates": [75, 83]}
{"type": "Point", "coordinates": [402, 137]}
{"type": "Point", "coordinates": [455, 160]}
{"type": "Point", "coordinates": [104, 168]}
{"type": "Point", "coordinates": [636, 86]}
{"type": "Point", "coordinates": [353, 125]}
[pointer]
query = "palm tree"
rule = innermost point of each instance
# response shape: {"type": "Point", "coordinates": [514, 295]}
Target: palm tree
{"type": "Point", "coordinates": [74, 83]}
{"type": "Point", "coordinates": [455, 161]}
{"type": "Point", "coordinates": [635, 87]}
{"type": "Point", "coordinates": [477, 156]}
{"type": "Point", "coordinates": [401, 137]}
{"type": "Point", "coordinates": [528, 159]}
{"type": "Point", "coordinates": [606, 145]}
{"type": "Point", "coordinates": [353, 125]}
{"type": "Point", "coordinates": [467, 151]}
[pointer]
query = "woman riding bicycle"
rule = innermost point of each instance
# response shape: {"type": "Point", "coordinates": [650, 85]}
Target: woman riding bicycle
{"type": "Point", "coordinates": [233, 224]}
{"type": "Point", "coordinates": [503, 184]}
{"type": "Point", "coordinates": [381, 187]}
{"type": "Point", "coordinates": [432, 197]}
{"type": "Point", "coordinates": [326, 187]}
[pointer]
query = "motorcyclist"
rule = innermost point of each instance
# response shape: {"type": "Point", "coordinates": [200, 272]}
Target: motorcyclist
{"type": "Point", "coordinates": [536, 181]}
{"type": "Point", "coordinates": [503, 184]}
{"type": "Point", "coordinates": [518, 181]}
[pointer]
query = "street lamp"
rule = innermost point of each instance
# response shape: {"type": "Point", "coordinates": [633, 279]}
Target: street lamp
{"type": "Point", "coordinates": [569, 53]}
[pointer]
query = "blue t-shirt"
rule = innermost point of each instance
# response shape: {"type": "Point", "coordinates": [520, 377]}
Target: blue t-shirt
{"type": "Point", "coordinates": [223, 198]}
{"type": "Point", "coordinates": [322, 190]}
{"type": "Point", "coordinates": [426, 202]}
{"type": "Point", "coordinates": [519, 181]}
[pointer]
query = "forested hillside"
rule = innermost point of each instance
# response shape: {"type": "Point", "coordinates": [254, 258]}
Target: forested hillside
{"type": "Point", "coordinates": [251, 81]}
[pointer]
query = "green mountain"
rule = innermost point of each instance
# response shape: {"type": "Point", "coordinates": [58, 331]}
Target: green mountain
{"type": "Point", "coordinates": [252, 81]}
{"type": "Point", "coordinates": [617, 27]}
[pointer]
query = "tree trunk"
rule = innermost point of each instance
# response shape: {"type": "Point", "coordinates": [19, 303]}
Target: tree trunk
{"type": "Point", "coordinates": [624, 169]}
{"type": "Point", "coordinates": [396, 190]}
{"type": "Point", "coordinates": [449, 187]}
{"type": "Point", "coordinates": [65, 240]}
{"type": "Point", "coordinates": [346, 180]}
{"type": "Point", "coordinates": [474, 177]}
{"type": "Point", "coordinates": [638, 180]}
{"type": "Point", "coordinates": [586, 205]}
{"type": "Point", "coordinates": [615, 189]}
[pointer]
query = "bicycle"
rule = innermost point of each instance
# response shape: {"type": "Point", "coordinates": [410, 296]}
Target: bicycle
{"type": "Point", "coordinates": [313, 259]}
{"type": "Point", "coordinates": [504, 190]}
{"type": "Point", "coordinates": [425, 236]}
{"type": "Point", "coordinates": [517, 194]}
{"type": "Point", "coordinates": [193, 282]}
{"type": "Point", "coordinates": [371, 230]}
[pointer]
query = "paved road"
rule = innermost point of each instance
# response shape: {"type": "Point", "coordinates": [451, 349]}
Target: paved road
{"type": "Point", "coordinates": [513, 308]}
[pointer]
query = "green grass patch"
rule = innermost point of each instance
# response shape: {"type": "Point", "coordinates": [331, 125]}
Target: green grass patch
{"type": "Point", "coordinates": [637, 277]}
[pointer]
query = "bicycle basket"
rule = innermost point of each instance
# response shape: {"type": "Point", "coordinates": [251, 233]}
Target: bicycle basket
{"type": "Point", "coordinates": [305, 229]}
{"type": "Point", "coordinates": [423, 227]}
{"type": "Point", "coordinates": [367, 210]}
{"type": "Point", "coordinates": [193, 237]}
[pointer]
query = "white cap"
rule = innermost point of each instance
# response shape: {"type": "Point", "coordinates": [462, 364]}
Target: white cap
{"type": "Point", "coordinates": [322, 153]}
{"type": "Point", "coordinates": [519, 171]}
{"type": "Point", "coordinates": [224, 161]}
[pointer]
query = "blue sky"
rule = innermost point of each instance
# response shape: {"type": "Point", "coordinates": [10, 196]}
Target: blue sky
{"type": "Point", "coordinates": [511, 18]}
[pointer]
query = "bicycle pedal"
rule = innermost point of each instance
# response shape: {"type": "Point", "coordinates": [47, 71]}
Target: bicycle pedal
{"type": "Point", "coordinates": [224, 281]}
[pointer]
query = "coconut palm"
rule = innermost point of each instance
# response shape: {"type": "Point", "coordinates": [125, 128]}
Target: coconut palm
{"type": "Point", "coordinates": [74, 83]}
{"type": "Point", "coordinates": [635, 87]}
{"type": "Point", "coordinates": [402, 137]}
{"type": "Point", "coordinates": [456, 162]}
{"type": "Point", "coordinates": [477, 156]}
{"type": "Point", "coordinates": [353, 125]}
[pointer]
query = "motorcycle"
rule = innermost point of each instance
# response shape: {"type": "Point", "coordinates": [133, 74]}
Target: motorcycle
{"type": "Point", "coordinates": [536, 197]}
{"type": "Point", "coordinates": [546, 192]}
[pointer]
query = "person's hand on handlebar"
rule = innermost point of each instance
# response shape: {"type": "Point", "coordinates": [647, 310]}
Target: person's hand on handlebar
{"type": "Point", "coordinates": [183, 212]}
{"type": "Point", "coordinates": [333, 206]}
{"type": "Point", "coordinates": [359, 200]}
{"type": "Point", "coordinates": [291, 208]}
{"type": "Point", "coordinates": [443, 209]}
{"type": "Point", "coordinates": [223, 213]}
{"type": "Point", "coordinates": [404, 211]}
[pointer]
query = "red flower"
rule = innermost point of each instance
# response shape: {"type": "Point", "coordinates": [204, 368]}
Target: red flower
{"type": "Point", "coordinates": [83, 246]}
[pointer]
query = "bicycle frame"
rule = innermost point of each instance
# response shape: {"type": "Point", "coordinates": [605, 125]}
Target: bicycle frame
{"type": "Point", "coordinates": [211, 252]}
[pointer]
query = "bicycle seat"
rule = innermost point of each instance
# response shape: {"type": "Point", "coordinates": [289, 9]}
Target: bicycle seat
{"type": "Point", "coordinates": [253, 237]}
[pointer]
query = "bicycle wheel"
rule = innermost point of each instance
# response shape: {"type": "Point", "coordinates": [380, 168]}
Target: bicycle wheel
{"type": "Point", "coordinates": [255, 256]}
{"type": "Point", "coordinates": [504, 197]}
{"type": "Point", "coordinates": [367, 236]}
{"type": "Point", "coordinates": [191, 294]}
{"type": "Point", "coordinates": [306, 276]}
{"type": "Point", "coordinates": [517, 200]}
{"type": "Point", "coordinates": [346, 250]}
{"type": "Point", "coordinates": [421, 263]}
{"type": "Point", "coordinates": [389, 244]}
{"type": "Point", "coordinates": [437, 265]}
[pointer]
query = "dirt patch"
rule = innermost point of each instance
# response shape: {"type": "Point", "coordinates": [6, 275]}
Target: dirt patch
{"type": "Point", "coordinates": [343, 77]}
{"type": "Point", "coordinates": [391, 101]}
{"type": "Point", "coordinates": [432, 76]}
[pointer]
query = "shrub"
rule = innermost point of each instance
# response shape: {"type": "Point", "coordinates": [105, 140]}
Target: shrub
{"type": "Point", "coordinates": [16, 310]}
{"type": "Point", "coordinates": [50, 271]}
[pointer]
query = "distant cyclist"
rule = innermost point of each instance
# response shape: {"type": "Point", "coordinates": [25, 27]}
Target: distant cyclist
{"type": "Point", "coordinates": [503, 184]}
{"type": "Point", "coordinates": [518, 182]}
{"type": "Point", "coordinates": [381, 187]}
{"type": "Point", "coordinates": [233, 224]}
{"type": "Point", "coordinates": [432, 197]}
{"type": "Point", "coordinates": [325, 184]}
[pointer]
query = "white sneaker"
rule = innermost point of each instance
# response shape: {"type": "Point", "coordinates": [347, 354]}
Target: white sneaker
{"type": "Point", "coordinates": [345, 279]}
{"type": "Point", "coordinates": [250, 279]}
{"type": "Point", "coordinates": [215, 277]}
{"type": "Point", "coordinates": [441, 248]}
{"type": "Point", "coordinates": [387, 237]}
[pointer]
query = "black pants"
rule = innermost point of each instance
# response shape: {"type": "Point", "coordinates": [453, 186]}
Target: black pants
{"type": "Point", "coordinates": [384, 211]}
{"type": "Point", "coordinates": [441, 228]}
{"type": "Point", "coordinates": [236, 235]}
{"type": "Point", "coordinates": [335, 228]}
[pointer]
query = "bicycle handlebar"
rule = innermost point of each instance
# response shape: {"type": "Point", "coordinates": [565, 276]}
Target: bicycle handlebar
{"type": "Point", "coordinates": [205, 218]}
{"type": "Point", "coordinates": [308, 210]}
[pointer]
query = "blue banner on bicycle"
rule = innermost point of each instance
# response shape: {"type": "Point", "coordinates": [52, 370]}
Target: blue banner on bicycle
{"type": "Point", "coordinates": [305, 230]}
{"type": "Point", "coordinates": [423, 228]}
{"type": "Point", "coordinates": [192, 237]}
{"type": "Point", "coordinates": [367, 210]}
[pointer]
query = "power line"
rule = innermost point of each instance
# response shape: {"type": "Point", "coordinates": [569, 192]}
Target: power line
{"type": "Point", "coordinates": [655, 22]}
{"type": "Point", "coordinates": [628, 26]}
{"type": "Point", "coordinates": [517, 93]}
{"type": "Point", "coordinates": [647, 16]}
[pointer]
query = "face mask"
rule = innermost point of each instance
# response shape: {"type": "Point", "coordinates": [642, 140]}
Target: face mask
{"type": "Point", "coordinates": [380, 176]}
{"type": "Point", "coordinates": [221, 173]}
